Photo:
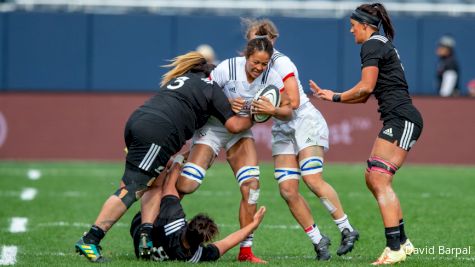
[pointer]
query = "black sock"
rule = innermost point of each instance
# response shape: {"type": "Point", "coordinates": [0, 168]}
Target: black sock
{"type": "Point", "coordinates": [392, 237]}
{"type": "Point", "coordinates": [146, 228]}
{"type": "Point", "coordinates": [403, 236]}
{"type": "Point", "coordinates": [94, 236]}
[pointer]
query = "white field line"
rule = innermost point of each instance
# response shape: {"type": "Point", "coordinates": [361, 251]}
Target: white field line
{"type": "Point", "coordinates": [28, 194]}
{"type": "Point", "coordinates": [18, 225]}
{"type": "Point", "coordinates": [8, 256]}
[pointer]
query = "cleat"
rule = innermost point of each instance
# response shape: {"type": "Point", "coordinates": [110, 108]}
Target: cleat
{"type": "Point", "coordinates": [348, 240]}
{"type": "Point", "coordinates": [145, 246]}
{"type": "Point", "coordinates": [323, 254]}
{"type": "Point", "coordinates": [250, 258]}
{"type": "Point", "coordinates": [390, 257]}
{"type": "Point", "coordinates": [91, 251]}
{"type": "Point", "coordinates": [408, 247]}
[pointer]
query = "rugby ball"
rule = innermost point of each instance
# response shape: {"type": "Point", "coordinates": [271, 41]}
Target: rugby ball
{"type": "Point", "coordinates": [273, 94]}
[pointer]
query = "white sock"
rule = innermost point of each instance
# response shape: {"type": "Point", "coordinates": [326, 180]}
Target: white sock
{"type": "Point", "coordinates": [248, 241]}
{"type": "Point", "coordinates": [314, 233]}
{"type": "Point", "coordinates": [343, 223]}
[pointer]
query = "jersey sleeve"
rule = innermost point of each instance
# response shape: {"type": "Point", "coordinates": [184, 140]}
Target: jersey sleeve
{"type": "Point", "coordinates": [284, 67]}
{"type": "Point", "coordinates": [220, 74]}
{"type": "Point", "coordinates": [206, 253]}
{"type": "Point", "coordinates": [371, 53]}
{"type": "Point", "coordinates": [220, 106]}
{"type": "Point", "coordinates": [275, 79]}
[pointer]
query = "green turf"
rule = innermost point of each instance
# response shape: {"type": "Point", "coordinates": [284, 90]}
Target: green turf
{"type": "Point", "coordinates": [437, 200]}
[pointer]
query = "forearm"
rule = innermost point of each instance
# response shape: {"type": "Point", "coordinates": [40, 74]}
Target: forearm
{"type": "Point", "coordinates": [283, 113]}
{"type": "Point", "coordinates": [358, 94]}
{"type": "Point", "coordinates": [233, 239]}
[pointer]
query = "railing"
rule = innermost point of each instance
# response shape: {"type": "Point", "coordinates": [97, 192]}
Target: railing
{"type": "Point", "coordinates": [334, 9]}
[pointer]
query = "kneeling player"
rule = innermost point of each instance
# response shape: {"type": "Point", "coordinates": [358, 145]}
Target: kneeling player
{"type": "Point", "coordinates": [176, 239]}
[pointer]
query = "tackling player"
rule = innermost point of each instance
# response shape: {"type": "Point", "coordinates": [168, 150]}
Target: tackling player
{"type": "Point", "coordinates": [157, 130]}
{"type": "Point", "coordinates": [382, 74]}
{"type": "Point", "coordinates": [241, 78]}
{"type": "Point", "coordinates": [298, 147]}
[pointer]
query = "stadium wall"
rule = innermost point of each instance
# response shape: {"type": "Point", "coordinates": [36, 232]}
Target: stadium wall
{"type": "Point", "coordinates": [79, 52]}
{"type": "Point", "coordinates": [89, 126]}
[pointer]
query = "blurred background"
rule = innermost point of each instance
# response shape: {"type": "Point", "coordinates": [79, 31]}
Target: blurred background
{"type": "Point", "coordinates": [72, 71]}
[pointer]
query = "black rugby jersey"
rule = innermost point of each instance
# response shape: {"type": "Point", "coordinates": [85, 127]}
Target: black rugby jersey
{"type": "Point", "coordinates": [391, 89]}
{"type": "Point", "coordinates": [167, 233]}
{"type": "Point", "coordinates": [187, 102]}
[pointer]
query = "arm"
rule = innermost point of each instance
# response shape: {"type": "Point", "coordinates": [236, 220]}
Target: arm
{"type": "Point", "coordinates": [292, 90]}
{"type": "Point", "coordinates": [358, 94]}
{"type": "Point", "coordinates": [282, 112]}
{"type": "Point", "coordinates": [172, 174]}
{"type": "Point", "coordinates": [237, 124]}
{"type": "Point", "coordinates": [449, 80]}
{"type": "Point", "coordinates": [233, 239]}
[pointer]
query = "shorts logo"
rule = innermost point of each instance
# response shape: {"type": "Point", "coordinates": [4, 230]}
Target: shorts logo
{"type": "Point", "coordinates": [388, 132]}
{"type": "Point", "coordinates": [309, 140]}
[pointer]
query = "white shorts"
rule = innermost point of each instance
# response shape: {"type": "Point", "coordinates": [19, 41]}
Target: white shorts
{"type": "Point", "coordinates": [307, 128]}
{"type": "Point", "coordinates": [215, 135]}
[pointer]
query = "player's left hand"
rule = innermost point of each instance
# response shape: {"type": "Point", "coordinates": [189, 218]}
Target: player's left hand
{"type": "Point", "coordinates": [237, 104]}
{"type": "Point", "coordinates": [263, 106]}
{"type": "Point", "coordinates": [321, 93]}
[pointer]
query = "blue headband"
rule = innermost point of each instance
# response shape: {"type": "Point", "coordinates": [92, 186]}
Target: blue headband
{"type": "Point", "coordinates": [363, 17]}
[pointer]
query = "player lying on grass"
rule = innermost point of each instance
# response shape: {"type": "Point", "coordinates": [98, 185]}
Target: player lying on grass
{"type": "Point", "coordinates": [176, 239]}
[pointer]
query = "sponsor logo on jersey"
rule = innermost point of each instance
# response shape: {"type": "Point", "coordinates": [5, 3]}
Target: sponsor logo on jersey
{"type": "Point", "coordinates": [388, 132]}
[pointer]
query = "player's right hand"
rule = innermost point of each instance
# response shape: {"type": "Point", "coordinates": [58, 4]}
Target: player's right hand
{"type": "Point", "coordinates": [321, 93]}
{"type": "Point", "coordinates": [237, 104]}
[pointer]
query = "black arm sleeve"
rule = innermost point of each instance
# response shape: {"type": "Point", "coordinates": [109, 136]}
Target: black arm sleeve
{"type": "Point", "coordinates": [221, 108]}
{"type": "Point", "coordinates": [210, 253]}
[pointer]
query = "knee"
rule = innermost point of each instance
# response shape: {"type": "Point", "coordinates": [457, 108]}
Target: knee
{"type": "Point", "coordinates": [289, 193]}
{"type": "Point", "coordinates": [250, 191]}
{"type": "Point", "coordinates": [186, 186]}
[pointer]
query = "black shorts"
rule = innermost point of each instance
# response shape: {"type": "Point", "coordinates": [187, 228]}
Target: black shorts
{"type": "Point", "coordinates": [150, 141]}
{"type": "Point", "coordinates": [405, 132]}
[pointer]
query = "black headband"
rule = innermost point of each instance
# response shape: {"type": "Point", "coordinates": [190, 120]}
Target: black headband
{"type": "Point", "coordinates": [363, 17]}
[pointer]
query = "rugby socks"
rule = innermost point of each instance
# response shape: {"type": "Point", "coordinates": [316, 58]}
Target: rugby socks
{"type": "Point", "coordinates": [403, 236]}
{"type": "Point", "coordinates": [313, 233]}
{"type": "Point", "coordinates": [94, 236]}
{"type": "Point", "coordinates": [343, 223]}
{"type": "Point", "coordinates": [247, 243]}
{"type": "Point", "coordinates": [393, 238]}
{"type": "Point", "coordinates": [146, 228]}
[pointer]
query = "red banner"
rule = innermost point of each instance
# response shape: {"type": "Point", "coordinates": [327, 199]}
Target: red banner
{"type": "Point", "coordinates": [86, 126]}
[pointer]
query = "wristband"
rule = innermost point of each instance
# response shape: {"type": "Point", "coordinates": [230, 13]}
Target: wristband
{"type": "Point", "coordinates": [336, 97]}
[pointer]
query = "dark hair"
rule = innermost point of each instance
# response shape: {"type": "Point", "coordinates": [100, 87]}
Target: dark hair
{"type": "Point", "coordinates": [268, 27]}
{"type": "Point", "coordinates": [260, 43]}
{"type": "Point", "coordinates": [201, 229]}
{"type": "Point", "coordinates": [378, 10]}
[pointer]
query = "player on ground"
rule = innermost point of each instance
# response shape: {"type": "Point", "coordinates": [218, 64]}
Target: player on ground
{"type": "Point", "coordinates": [157, 130]}
{"type": "Point", "coordinates": [241, 78]}
{"type": "Point", "coordinates": [176, 239]}
{"type": "Point", "coordinates": [382, 74]}
{"type": "Point", "coordinates": [298, 147]}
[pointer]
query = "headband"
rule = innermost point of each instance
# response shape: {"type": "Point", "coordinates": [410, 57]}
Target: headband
{"type": "Point", "coordinates": [364, 17]}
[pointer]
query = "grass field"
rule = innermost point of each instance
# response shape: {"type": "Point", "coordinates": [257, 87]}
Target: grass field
{"type": "Point", "coordinates": [438, 203]}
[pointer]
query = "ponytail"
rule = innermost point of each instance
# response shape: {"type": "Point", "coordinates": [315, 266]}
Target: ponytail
{"type": "Point", "coordinates": [191, 61]}
{"type": "Point", "coordinates": [366, 12]}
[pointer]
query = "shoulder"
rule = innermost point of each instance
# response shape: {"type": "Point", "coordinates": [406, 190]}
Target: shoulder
{"type": "Point", "coordinates": [374, 42]}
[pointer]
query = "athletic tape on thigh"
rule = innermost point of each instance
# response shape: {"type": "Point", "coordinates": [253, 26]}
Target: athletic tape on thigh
{"type": "Point", "coordinates": [193, 172]}
{"type": "Point", "coordinates": [284, 174]}
{"type": "Point", "coordinates": [311, 165]}
{"type": "Point", "coordinates": [381, 165]}
{"type": "Point", "coordinates": [247, 172]}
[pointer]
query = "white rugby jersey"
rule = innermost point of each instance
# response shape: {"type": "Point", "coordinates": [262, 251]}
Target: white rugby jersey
{"type": "Point", "coordinates": [286, 69]}
{"type": "Point", "coordinates": [231, 75]}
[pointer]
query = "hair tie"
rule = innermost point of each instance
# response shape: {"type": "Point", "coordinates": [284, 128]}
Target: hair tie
{"type": "Point", "coordinates": [260, 36]}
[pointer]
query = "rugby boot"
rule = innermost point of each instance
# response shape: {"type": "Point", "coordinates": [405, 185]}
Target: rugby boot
{"type": "Point", "coordinates": [322, 249]}
{"type": "Point", "coordinates": [246, 255]}
{"type": "Point", "coordinates": [348, 240]}
{"type": "Point", "coordinates": [91, 251]}
{"type": "Point", "coordinates": [408, 247]}
{"type": "Point", "coordinates": [390, 257]}
{"type": "Point", "coordinates": [145, 246]}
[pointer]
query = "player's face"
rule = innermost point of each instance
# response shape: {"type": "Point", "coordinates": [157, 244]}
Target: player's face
{"type": "Point", "coordinates": [358, 30]}
{"type": "Point", "coordinates": [256, 64]}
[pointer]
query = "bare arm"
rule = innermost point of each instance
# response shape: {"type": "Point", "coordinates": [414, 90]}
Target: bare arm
{"type": "Point", "coordinates": [233, 239]}
{"type": "Point", "coordinates": [237, 124]}
{"type": "Point", "coordinates": [358, 94]}
{"type": "Point", "coordinates": [292, 89]}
